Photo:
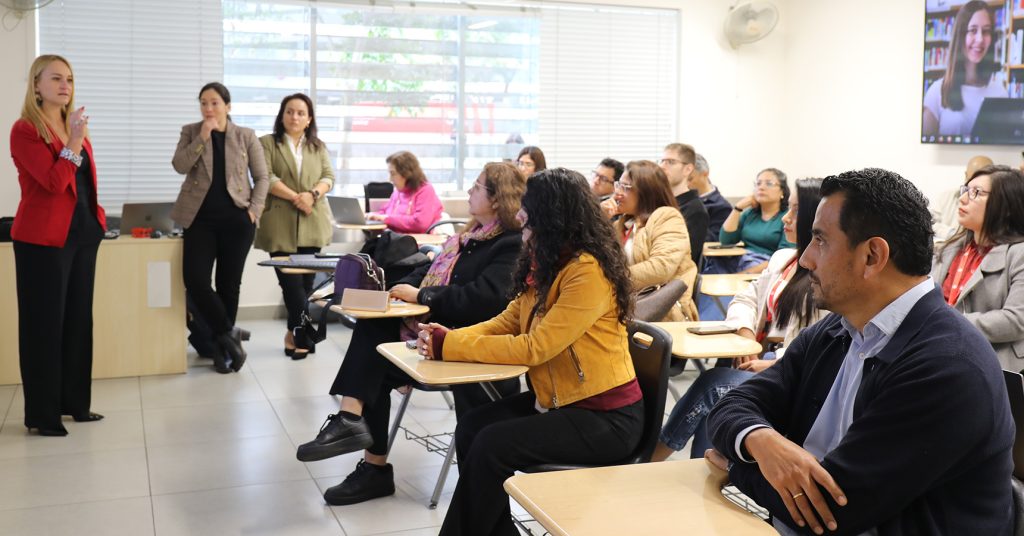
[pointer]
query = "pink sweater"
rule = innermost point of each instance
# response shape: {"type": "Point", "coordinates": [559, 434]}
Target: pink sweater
{"type": "Point", "coordinates": [412, 211]}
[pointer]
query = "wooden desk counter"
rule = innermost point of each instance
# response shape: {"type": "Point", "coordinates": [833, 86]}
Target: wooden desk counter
{"type": "Point", "coordinates": [686, 345]}
{"type": "Point", "coordinates": [677, 497]}
{"type": "Point", "coordinates": [735, 251]}
{"type": "Point", "coordinates": [445, 372]}
{"type": "Point", "coordinates": [130, 338]}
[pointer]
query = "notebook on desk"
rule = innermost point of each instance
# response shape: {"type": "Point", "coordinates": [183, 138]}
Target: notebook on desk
{"type": "Point", "coordinates": [156, 216]}
{"type": "Point", "coordinates": [346, 210]}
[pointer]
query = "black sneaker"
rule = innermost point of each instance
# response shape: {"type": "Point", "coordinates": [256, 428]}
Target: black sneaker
{"type": "Point", "coordinates": [367, 482]}
{"type": "Point", "coordinates": [337, 436]}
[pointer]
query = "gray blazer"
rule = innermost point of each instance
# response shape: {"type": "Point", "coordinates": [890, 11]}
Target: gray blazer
{"type": "Point", "coordinates": [194, 159]}
{"type": "Point", "coordinates": [993, 298]}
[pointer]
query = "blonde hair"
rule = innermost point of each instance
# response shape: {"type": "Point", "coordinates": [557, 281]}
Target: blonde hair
{"type": "Point", "coordinates": [32, 110]}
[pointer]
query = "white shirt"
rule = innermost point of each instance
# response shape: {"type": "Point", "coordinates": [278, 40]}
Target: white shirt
{"type": "Point", "coordinates": [296, 152]}
{"type": "Point", "coordinates": [960, 123]}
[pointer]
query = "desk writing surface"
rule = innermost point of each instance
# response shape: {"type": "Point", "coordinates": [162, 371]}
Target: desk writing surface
{"type": "Point", "coordinates": [430, 239]}
{"type": "Point", "coordinates": [686, 345]}
{"type": "Point", "coordinates": [676, 497]}
{"type": "Point", "coordinates": [736, 250]}
{"type": "Point", "coordinates": [396, 309]}
{"type": "Point", "coordinates": [725, 284]}
{"type": "Point", "coordinates": [375, 226]}
{"type": "Point", "coordinates": [445, 372]}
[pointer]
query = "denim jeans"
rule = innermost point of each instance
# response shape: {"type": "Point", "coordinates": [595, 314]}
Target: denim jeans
{"type": "Point", "coordinates": [689, 416]}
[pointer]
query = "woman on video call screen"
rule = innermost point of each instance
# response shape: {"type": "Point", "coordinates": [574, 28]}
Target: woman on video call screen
{"type": "Point", "coordinates": [951, 103]}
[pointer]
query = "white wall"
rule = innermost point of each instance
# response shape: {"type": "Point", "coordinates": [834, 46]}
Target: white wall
{"type": "Point", "coordinates": [854, 95]}
{"type": "Point", "coordinates": [18, 48]}
{"type": "Point", "coordinates": [836, 86]}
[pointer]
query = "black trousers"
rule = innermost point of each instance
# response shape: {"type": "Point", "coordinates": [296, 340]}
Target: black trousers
{"type": "Point", "coordinates": [494, 441]}
{"type": "Point", "coordinates": [55, 289]}
{"type": "Point", "coordinates": [368, 376]}
{"type": "Point", "coordinates": [295, 287]}
{"type": "Point", "coordinates": [225, 241]}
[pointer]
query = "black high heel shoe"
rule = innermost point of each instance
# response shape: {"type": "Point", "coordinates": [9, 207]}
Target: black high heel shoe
{"type": "Point", "coordinates": [48, 432]}
{"type": "Point", "coordinates": [231, 342]}
{"type": "Point", "coordinates": [303, 346]}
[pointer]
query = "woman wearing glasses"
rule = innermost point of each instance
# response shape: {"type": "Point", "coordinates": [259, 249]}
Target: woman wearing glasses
{"type": "Point", "coordinates": [531, 160]}
{"type": "Point", "coordinates": [756, 220]}
{"type": "Point", "coordinates": [653, 234]}
{"type": "Point", "coordinates": [981, 269]}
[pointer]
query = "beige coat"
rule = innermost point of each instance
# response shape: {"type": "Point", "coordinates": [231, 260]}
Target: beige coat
{"type": "Point", "coordinates": [661, 252]}
{"type": "Point", "coordinates": [194, 159]}
{"type": "Point", "coordinates": [283, 227]}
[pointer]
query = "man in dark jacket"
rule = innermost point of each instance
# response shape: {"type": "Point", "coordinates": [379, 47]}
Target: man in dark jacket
{"type": "Point", "coordinates": [677, 163]}
{"type": "Point", "coordinates": [888, 417]}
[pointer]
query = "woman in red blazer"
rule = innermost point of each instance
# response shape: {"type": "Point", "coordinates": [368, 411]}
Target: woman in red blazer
{"type": "Point", "coordinates": [57, 231]}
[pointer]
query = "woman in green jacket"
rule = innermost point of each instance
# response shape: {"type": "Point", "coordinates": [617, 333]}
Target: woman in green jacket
{"type": "Point", "coordinates": [297, 218]}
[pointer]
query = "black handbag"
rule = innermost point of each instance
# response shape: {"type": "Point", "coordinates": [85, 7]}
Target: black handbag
{"type": "Point", "coordinates": [355, 270]}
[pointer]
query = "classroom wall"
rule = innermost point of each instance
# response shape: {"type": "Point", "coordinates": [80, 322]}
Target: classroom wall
{"type": "Point", "coordinates": [836, 86]}
{"type": "Point", "coordinates": [18, 46]}
{"type": "Point", "coordinates": [854, 95]}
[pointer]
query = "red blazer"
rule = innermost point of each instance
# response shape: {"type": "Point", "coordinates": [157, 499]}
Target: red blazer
{"type": "Point", "coordinates": [48, 188]}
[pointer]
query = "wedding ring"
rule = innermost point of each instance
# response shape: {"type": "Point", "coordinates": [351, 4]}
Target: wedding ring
{"type": "Point", "coordinates": [801, 494]}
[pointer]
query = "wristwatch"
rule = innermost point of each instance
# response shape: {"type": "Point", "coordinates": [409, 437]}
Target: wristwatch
{"type": "Point", "coordinates": [737, 209]}
{"type": "Point", "coordinates": [315, 193]}
{"type": "Point", "coordinates": [70, 156]}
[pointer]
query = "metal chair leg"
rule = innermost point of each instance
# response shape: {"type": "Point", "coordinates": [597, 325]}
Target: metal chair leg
{"type": "Point", "coordinates": [398, 418]}
{"type": "Point", "coordinates": [444, 474]}
{"type": "Point", "coordinates": [448, 399]}
{"type": "Point", "coordinates": [675, 391]}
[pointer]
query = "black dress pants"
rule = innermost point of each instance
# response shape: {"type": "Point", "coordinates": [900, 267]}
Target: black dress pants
{"type": "Point", "coordinates": [295, 287]}
{"type": "Point", "coordinates": [494, 441]}
{"type": "Point", "coordinates": [55, 290]}
{"type": "Point", "coordinates": [226, 241]}
{"type": "Point", "coordinates": [368, 376]}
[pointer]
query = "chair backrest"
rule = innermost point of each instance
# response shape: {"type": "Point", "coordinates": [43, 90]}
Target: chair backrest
{"type": "Point", "coordinates": [651, 350]}
{"type": "Point", "coordinates": [1015, 390]}
{"type": "Point", "coordinates": [376, 190]}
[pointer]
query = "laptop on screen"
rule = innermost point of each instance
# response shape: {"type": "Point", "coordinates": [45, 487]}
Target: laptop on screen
{"type": "Point", "coordinates": [156, 216]}
{"type": "Point", "coordinates": [346, 210]}
{"type": "Point", "coordinates": [1015, 388]}
{"type": "Point", "coordinates": [1000, 121]}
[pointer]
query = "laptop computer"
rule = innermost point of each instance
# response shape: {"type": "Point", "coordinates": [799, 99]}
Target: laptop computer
{"type": "Point", "coordinates": [1015, 388]}
{"type": "Point", "coordinates": [1000, 121]}
{"type": "Point", "coordinates": [346, 210]}
{"type": "Point", "coordinates": [156, 216]}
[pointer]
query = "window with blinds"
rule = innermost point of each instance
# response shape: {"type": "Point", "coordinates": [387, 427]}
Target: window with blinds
{"type": "Point", "coordinates": [138, 68]}
{"type": "Point", "coordinates": [459, 84]}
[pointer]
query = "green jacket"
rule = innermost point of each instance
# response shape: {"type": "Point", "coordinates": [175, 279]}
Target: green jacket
{"type": "Point", "coordinates": [282, 226]}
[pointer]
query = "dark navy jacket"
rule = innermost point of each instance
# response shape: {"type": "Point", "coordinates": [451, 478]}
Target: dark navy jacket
{"type": "Point", "coordinates": [929, 449]}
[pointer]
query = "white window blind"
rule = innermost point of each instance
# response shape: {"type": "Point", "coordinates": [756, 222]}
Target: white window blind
{"type": "Point", "coordinates": [608, 83]}
{"type": "Point", "coordinates": [138, 69]}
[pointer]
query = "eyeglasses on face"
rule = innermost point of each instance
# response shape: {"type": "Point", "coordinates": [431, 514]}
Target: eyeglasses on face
{"type": "Point", "coordinates": [623, 187]}
{"type": "Point", "coordinates": [672, 162]}
{"type": "Point", "coordinates": [766, 184]}
{"type": "Point", "coordinates": [525, 164]}
{"type": "Point", "coordinates": [972, 192]}
{"type": "Point", "coordinates": [601, 178]}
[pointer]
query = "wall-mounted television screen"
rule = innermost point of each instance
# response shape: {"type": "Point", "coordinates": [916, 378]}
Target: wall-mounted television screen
{"type": "Point", "coordinates": [973, 72]}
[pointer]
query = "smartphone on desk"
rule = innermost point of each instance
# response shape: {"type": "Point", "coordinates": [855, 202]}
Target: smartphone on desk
{"type": "Point", "coordinates": [711, 329]}
{"type": "Point", "coordinates": [328, 255]}
{"type": "Point", "coordinates": [722, 246]}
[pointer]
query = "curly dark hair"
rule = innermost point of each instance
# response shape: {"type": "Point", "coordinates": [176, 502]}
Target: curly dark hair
{"type": "Point", "coordinates": [565, 220]}
{"type": "Point", "coordinates": [881, 203]}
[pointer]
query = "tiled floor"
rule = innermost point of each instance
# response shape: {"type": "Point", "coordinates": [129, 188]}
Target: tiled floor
{"type": "Point", "coordinates": [210, 454]}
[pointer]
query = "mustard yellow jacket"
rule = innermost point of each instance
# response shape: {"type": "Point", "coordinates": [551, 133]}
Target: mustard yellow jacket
{"type": "Point", "coordinates": [576, 349]}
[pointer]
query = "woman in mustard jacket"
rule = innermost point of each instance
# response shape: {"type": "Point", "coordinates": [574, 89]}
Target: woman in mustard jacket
{"type": "Point", "coordinates": [297, 218]}
{"type": "Point", "coordinates": [567, 323]}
